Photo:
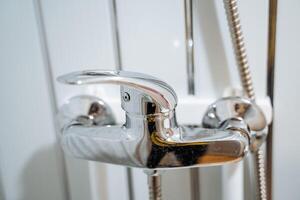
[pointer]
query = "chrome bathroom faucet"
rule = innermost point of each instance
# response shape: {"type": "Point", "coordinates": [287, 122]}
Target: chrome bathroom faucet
{"type": "Point", "coordinates": [151, 137]}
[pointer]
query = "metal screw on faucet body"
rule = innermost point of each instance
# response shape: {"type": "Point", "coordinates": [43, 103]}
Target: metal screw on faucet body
{"type": "Point", "coordinates": [126, 97]}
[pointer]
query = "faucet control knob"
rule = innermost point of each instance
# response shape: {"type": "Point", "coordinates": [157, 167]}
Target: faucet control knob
{"type": "Point", "coordinates": [140, 93]}
{"type": "Point", "coordinates": [238, 109]}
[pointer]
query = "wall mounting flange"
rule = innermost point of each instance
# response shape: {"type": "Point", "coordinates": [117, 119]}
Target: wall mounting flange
{"type": "Point", "coordinates": [86, 110]}
{"type": "Point", "coordinates": [238, 108]}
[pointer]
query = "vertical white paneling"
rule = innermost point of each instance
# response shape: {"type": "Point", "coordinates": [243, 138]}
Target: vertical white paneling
{"type": "Point", "coordinates": [210, 183]}
{"type": "Point", "coordinates": [233, 181]}
{"type": "Point", "coordinates": [286, 138]}
{"type": "Point", "coordinates": [212, 72]}
{"type": "Point", "coordinates": [255, 27]}
{"type": "Point", "coordinates": [254, 18]}
{"type": "Point", "coordinates": [31, 164]}
{"type": "Point", "coordinates": [117, 183]}
{"type": "Point", "coordinates": [176, 184]}
{"type": "Point", "coordinates": [79, 36]}
{"type": "Point", "coordinates": [140, 184]}
{"type": "Point", "coordinates": [152, 40]}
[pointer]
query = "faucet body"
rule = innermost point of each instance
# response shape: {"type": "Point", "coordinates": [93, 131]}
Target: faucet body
{"type": "Point", "coordinates": [146, 142]}
{"type": "Point", "coordinates": [151, 137]}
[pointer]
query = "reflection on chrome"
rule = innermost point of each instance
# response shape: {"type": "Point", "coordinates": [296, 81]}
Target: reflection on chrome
{"type": "Point", "coordinates": [151, 137]}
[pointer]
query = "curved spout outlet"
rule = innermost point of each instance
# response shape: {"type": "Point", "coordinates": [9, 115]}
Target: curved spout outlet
{"type": "Point", "coordinates": [151, 147]}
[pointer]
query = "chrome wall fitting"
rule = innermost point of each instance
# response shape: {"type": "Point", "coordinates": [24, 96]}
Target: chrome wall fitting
{"type": "Point", "coordinates": [240, 109]}
{"type": "Point", "coordinates": [85, 110]}
{"type": "Point", "coordinates": [82, 111]}
{"type": "Point", "coordinates": [151, 137]}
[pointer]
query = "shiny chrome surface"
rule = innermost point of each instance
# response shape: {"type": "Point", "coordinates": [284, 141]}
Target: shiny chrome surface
{"type": "Point", "coordinates": [189, 40]}
{"type": "Point", "coordinates": [238, 108]}
{"type": "Point", "coordinates": [115, 34]}
{"type": "Point", "coordinates": [151, 137]}
{"type": "Point", "coordinates": [270, 89]}
{"type": "Point", "coordinates": [148, 142]}
{"type": "Point", "coordinates": [85, 110]}
{"type": "Point", "coordinates": [142, 88]}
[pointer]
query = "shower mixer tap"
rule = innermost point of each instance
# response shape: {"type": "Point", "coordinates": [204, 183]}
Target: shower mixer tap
{"type": "Point", "coordinates": [151, 137]}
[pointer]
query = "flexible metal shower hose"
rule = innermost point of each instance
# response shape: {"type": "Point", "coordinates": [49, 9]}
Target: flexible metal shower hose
{"type": "Point", "coordinates": [154, 184]}
{"type": "Point", "coordinates": [245, 74]}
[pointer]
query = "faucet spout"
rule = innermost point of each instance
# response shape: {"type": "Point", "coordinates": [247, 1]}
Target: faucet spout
{"type": "Point", "coordinates": [176, 147]}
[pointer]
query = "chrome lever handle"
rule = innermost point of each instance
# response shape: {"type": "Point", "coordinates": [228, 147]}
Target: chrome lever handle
{"type": "Point", "coordinates": [141, 85]}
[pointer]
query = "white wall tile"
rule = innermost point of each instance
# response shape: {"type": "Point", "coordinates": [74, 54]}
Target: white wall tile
{"type": "Point", "coordinates": [31, 164]}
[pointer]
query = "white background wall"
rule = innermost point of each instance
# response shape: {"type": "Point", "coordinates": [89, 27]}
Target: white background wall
{"type": "Point", "coordinates": [40, 40]}
{"type": "Point", "coordinates": [287, 94]}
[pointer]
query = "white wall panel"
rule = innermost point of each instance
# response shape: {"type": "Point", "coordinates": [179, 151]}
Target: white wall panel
{"type": "Point", "coordinates": [286, 151]}
{"type": "Point", "coordinates": [78, 37]}
{"type": "Point", "coordinates": [255, 27]}
{"type": "Point", "coordinates": [153, 39]}
{"type": "Point", "coordinates": [31, 164]}
{"type": "Point", "coordinates": [211, 62]}
{"type": "Point", "coordinates": [254, 18]}
{"type": "Point", "coordinates": [215, 62]}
